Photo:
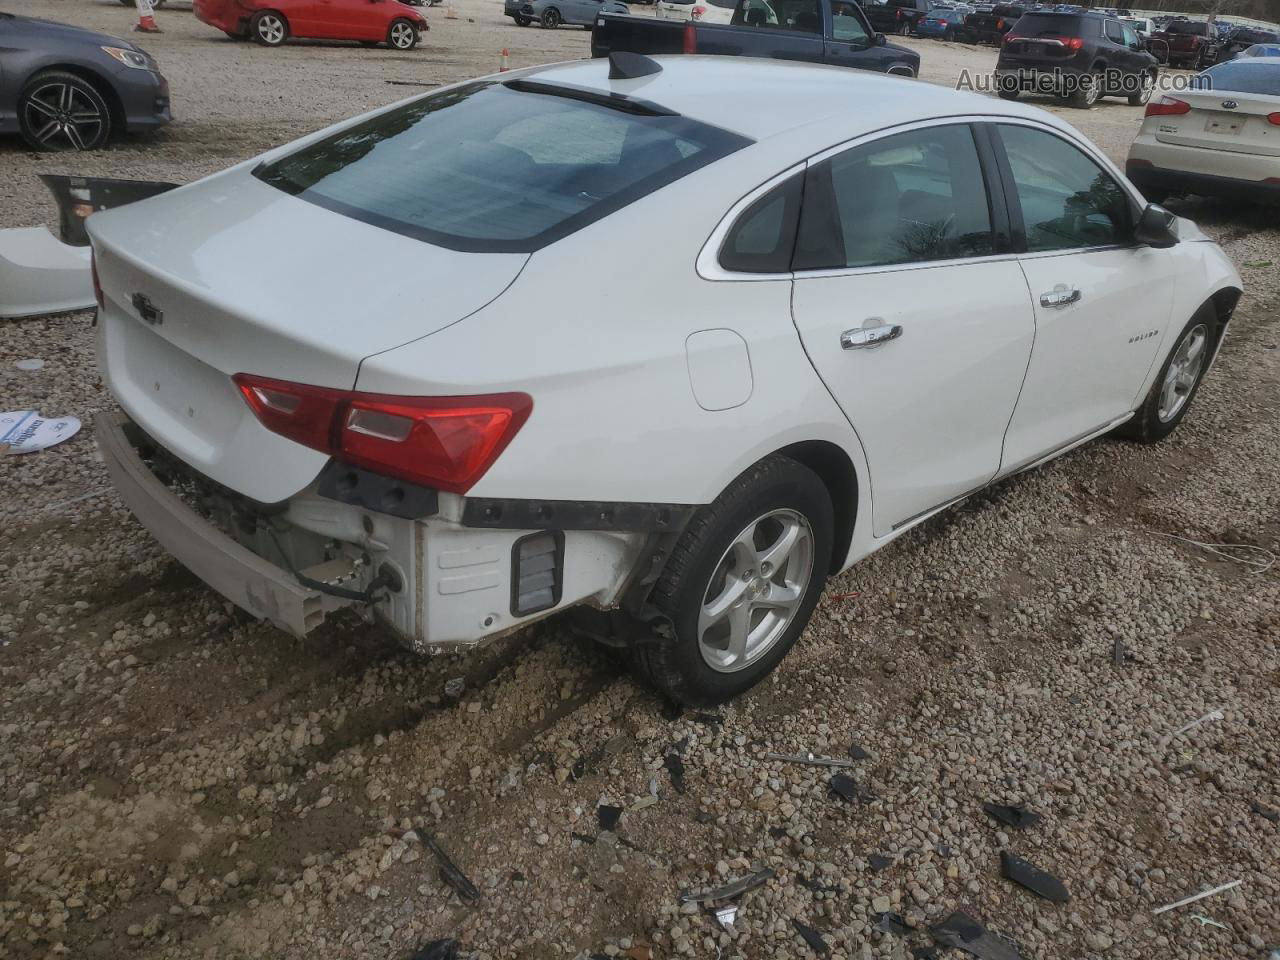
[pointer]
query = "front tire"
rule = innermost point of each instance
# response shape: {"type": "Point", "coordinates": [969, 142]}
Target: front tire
{"type": "Point", "coordinates": [269, 28]}
{"type": "Point", "coordinates": [1170, 396]}
{"type": "Point", "coordinates": [1144, 94]}
{"type": "Point", "coordinates": [551, 18]}
{"type": "Point", "coordinates": [60, 111]}
{"type": "Point", "coordinates": [401, 35]}
{"type": "Point", "coordinates": [523, 21]}
{"type": "Point", "coordinates": [740, 585]}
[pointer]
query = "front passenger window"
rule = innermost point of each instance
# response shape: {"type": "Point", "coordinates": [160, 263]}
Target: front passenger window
{"type": "Point", "coordinates": [846, 25]}
{"type": "Point", "coordinates": [1067, 200]}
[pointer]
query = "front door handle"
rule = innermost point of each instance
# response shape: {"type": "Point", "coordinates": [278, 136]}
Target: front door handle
{"type": "Point", "coordinates": [1060, 296]}
{"type": "Point", "coordinates": [876, 333]}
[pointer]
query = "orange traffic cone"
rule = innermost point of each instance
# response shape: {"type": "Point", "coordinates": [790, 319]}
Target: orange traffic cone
{"type": "Point", "coordinates": [503, 66]}
{"type": "Point", "coordinates": [451, 12]}
{"type": "Point", "coordinates": [146, 19]}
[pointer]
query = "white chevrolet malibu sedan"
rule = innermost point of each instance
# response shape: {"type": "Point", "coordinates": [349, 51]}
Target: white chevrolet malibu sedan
{"type": "Point", "coordinates": [665, 341]}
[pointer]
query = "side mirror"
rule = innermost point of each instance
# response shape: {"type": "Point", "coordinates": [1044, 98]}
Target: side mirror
{"type": "Point", "coordinates": [1155, 227]}
{"type": "Point", "coordinates": [881, 40]}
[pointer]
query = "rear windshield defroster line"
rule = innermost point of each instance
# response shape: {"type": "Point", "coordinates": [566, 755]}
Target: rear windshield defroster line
{"type": "Point", "coordinates": [499, 168]}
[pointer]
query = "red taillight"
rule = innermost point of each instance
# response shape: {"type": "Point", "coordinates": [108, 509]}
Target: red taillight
{"type": "Point", "coordinates": [1073, 43]}
{"type": "Point", "coordinates": [1167, 107]}
{"type": "Point", "coordinates": [442, 442]}
{"type": "Point", "coordinates": [1274, 118]}
{"type": "Point", "coordinates": [690, 38]}
{"type": "Point", "coordinates": [97, 285]}
{"type": "Point", "coordinates": [698, 12]}
{"type": "Point", "coordinates": [999, 24]}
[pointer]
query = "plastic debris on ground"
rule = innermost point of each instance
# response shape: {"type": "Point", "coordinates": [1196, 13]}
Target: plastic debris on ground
{"type": "Point", "coordinates": [962, 932]}
{"type": "Point", "coordinates": [449, 871]}
{"type": "Point", "coordinates": [732, 889]}
{"type": "Point", "coordinates": [1214, 714]}
{"type": "Point", "coordinates": [446, 949]}
{"type": "Point", "coordinates": [25, 431]}
{"type": "Point", "coordinates": [1019, 818]}
{"type": "Point", "coordinates": [892, 923]}
{"type": "Point", "coordinates": [810, 759]}
{"type": "Point", "coordinates": [849, 789]}
{"type": "Point", "coordinates": [608, 816]}
{"type": "Point", "coordinates": [726, 915]}
{"type": "Point", "coordinates": [1204, 921]}
{"type": "Point", "coordinates": [29, 364]}
{"type": "Point", "coordinates": [812, 937]}
{"type": "Point", "coordinates": [1223, 888]}
{"type": "Point", "coordinates": [1028, 875]}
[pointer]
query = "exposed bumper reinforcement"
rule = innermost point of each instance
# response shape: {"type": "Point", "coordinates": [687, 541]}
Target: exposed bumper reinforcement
{"type": "Point", "coordinates": [250, 582]}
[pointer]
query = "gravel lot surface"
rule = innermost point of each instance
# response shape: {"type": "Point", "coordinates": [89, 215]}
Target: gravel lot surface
{"type": "Point", "coordinates": [179, 781]}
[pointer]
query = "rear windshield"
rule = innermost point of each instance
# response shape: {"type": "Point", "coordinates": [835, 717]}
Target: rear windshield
{"type": "Point", "coordinates": [1051, 25]}
{"type": "Point", "coordinates": [1261, 78]}
{"type": "Point", "coordinates": [489, 168]}
{"type": "Point", "coordinates": [1007, 11]}
{"type": "Point", "coordinates": [1190, 29]}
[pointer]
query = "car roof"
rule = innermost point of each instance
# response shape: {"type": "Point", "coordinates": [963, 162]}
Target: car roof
{"type": "Point", "coordinates": [764, 98]}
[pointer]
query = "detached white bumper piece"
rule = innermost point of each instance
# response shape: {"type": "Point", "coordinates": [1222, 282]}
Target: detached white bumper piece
{"type": "Point", "coordinates": [244, 578]}
{"type": "Point", "coordinates": [40, 274]}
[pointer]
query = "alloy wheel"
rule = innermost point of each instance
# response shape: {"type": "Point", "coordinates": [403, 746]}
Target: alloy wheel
{"type": "Point", "coordinates": [755, 590]}
{"type": "Point", "coordinates": [271, 29]}
{"type": "Point", "coordinates": [401, 36]}
{"type": "Point", "coordinates": [1184, 371]}
{"type": "Point", "coordinates": [62, 117]}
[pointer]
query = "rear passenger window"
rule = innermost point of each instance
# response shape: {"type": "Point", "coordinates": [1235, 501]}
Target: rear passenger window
{"type": "Point", "coordinates": [1067, 200]}
{"type": "Point", "coordinates": [1114, 33]}
{"type": "Point", "coordinates": [907, 198]}
{"type": "Point", "coordinates": [762, 239]}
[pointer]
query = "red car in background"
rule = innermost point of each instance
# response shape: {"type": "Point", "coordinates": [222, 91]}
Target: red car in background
{"type": "Point", "coordinates": [272, 22]}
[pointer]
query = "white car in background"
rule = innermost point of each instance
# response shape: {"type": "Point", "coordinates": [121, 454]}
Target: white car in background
{"type": "Point", "coordinates": [706, 11]}
{"type": "Point", "coordinates": [1221, 137]}
{"type": "Point", "coordinates": [347, 383]}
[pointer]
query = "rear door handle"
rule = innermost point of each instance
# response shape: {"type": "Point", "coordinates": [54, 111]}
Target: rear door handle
{"type": "Point", "coordinates": [876, 333]}
{"type": "Point", "coordinates": [1060, 296]}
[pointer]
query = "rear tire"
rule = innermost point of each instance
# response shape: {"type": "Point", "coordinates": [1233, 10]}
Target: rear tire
{"type": "Point", "coordinates": [1087, 94]}
{"type": "Point", "coordinates": [740, 585]}
{"type": "Point", "coordinates": [269, 28]}
{"type": "Point", "coordinates": [551, 18]}
{"type": "Point", "coordinates": [1142, 96]}
{"type": "Point", "coordinates": [1170, 396]}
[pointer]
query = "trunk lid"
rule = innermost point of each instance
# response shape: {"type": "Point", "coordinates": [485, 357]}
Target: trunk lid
{"type": "Point", "coordinates": [231, 275]}
{"type": "Point", "coordinates": [1243, 128]}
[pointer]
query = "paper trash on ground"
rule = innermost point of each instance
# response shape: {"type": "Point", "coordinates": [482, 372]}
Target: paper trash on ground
{"type": "Point", "coordinates": [25, 431]}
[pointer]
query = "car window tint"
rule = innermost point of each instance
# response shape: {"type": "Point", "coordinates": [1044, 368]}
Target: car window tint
{"type": "Point", "coordinates": [803, 16]}
{"type": "Point", "coordinates": [846, 24]}
{"type": "Point", "coordinates": [1067, 200]}
{"type": "Point", "coordinates": [907, 198]}
{"type": "Point", "coordinates": [1261, 78]}
{"type": "Point", "coordinates": [492, 167]}
{"type": "Point", "coordinates": [1114, 33]}
{"type": "Point", "coordinates": [762, 239]}
{"type": "Point", "coordinates": [1130, 35]}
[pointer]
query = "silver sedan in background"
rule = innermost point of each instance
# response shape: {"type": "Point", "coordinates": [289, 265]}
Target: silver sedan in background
{"type": "Point", "coordinates": [552, 13]}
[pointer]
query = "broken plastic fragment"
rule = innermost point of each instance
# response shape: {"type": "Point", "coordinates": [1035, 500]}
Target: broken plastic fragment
{"type": "Point", "coordinates": [727, 914]}
{"type": "Point", "coordinates": [25, 431]}
{"type": "Point", "coordinates": [849, 789]}
{"type": "Point", "coordinates": [810, 759]}
{"type": "Point", "coordinates": [608, 816]}
{"type": "Point", "coordinates": [29, 364]}
{"type": "Point", "coordinates": [446, 949]}
{"type": "Point", "coordinates": [675, 768]}
{"type": "Point", "coordinates": [729, 890]}
{"type": "Point", "coordinates": [449, 871]}
{"type": "Point", "coordinates": [1017, 817]}
{"type": "Point", "coordinates": [1198, 896]}
{"type": "Point", "coordinates": [963, 932]}
{"type": "Point", "coordinates": [812, 937]}
{"type": "Point", "coordinates": [892, 923]}
{"type": "Point", "coordinates": [1207, 921]}
{"type": "Point", "coordinates": [1033, 878]}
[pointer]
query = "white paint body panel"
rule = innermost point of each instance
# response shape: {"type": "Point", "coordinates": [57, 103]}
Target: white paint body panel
{"type": "Point", "coordinates": [40, 274]}
{"type": "Point", "coordinates": [653, 385]}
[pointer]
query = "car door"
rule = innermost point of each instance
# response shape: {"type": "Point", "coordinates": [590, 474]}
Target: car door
{"type": "Point", "coordinates": [1101, 301]}
{"type": "Point", "coordinates": [850, 41]}
{"type": "Point", "coordinates": [912, 312]}
{"type": "Point", "coordinates": [356, 19]}
{"type": "Point", "coordinates": [307, 18]}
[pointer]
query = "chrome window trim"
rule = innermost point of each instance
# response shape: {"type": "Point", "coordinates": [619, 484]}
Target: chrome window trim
{"type": "Point", "coordinates": [708, 261]}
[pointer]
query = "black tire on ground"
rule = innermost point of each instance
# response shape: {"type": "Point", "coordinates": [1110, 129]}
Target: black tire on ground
{"type": "Point", "coordinates": [523, 21]}
{"type": "Point", "coordinates": [401, 35]}
{"type": "Point", "coordinates": [551, 18]}
{"type": "Point", "coordinates": [269, 28]}
{"type": "Point", "coordinates": [701, 567]}
{"type": "Point", "coordinates": [1148, 425]}
{"type": "Point", "coordinates": [59, 111]}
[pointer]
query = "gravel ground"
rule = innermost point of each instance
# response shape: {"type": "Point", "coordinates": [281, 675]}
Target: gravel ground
{"type": "Point", "coordinates": [179, 781]}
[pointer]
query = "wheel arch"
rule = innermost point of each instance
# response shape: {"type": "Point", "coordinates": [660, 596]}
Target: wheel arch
{"type": "Point", "coordinates": [838, 475]}
{"type": "Point", "coordinates": [89, 75]}
{"type": "Point", "coordinates": [1224, 303]}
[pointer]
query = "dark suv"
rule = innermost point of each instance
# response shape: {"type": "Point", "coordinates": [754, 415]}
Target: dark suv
{"type": "Point", "coordinates": [896, 16]}
{"type": "Point", "coordinates": [1077, 56]}
{"type": "Point", "coordinates": [990, 25]}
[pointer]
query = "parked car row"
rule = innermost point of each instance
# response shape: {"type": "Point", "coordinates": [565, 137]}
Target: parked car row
{"type": "Point", "coordinates": [272, 22]}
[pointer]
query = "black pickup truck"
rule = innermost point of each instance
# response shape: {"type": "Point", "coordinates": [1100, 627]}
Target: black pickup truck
{"type": "Point", "coordinates": [812, 31]}
{"type": "Point", "coordinates": [896, 16]}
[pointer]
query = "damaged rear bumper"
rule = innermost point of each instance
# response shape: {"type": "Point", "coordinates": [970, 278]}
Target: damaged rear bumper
{"type": "Point", "coordinates": [247, 580]}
